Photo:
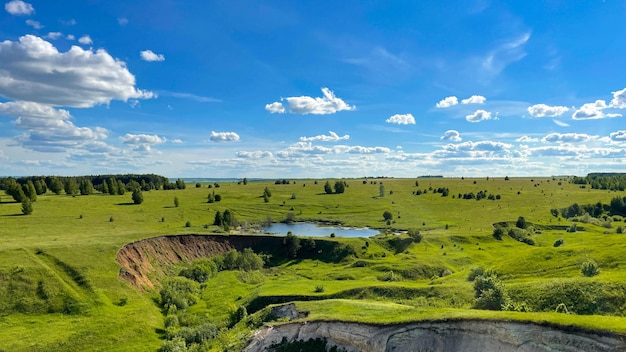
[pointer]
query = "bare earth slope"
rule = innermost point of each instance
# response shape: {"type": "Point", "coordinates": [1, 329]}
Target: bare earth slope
{"type": "Point", "coordinates": [448, 336]}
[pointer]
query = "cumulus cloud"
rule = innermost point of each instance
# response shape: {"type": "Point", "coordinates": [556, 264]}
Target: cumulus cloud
{"type": "Point", "coordinates": [593, 111]}
{"type": "Point", "coordinates": [224, 136]}
{"type": "Point", "coordinates": [479, 115]}
{"type": "Point", "coordinates": [367, 150]}
{"type": "Point", "coordinates": [527, 139]}
{"type": "Point", "coordinates": [402, 119]}
{"type": "Point", "coordinates": [32, 69]}
{"type": "Point", "coordinates": [275, 107]}
{"type": "Point", "coordinates": [34, 24]}
{"type": "Point", "coordinates": [332, 137]}
{"type": "Point", "coordinates": [448, 102]}
{"type": "Point", "coordinates": [50, 130]}
{"type": "Point", "coordinates": [566, 138]}
{"type": "Point", "coordinates": [19, 8]}
{"type": "Point", "coordinates": [86, 40]}
{"type": "Point", "coordinates": [451, 135]}
{"type": "Point", "coordinates": [149, 55]}
{"type": "Point", "coordinates": [619, 99]}
{"type": "Point", "coordinates": [474, 99]}
{"type": "Point", "coordinates": [328, 104]}
{"type": "Point", "coordinates": [254, 155]}
{"type": "Point", "coordinates": [70, 37]}
{"type": "Point", "coordinates": [618, 136]}
{"type": "Point", "coordinates": [134, 139]}
{"type": "Point", "coordinates": [543, 110]}
{"type": "Point", "coordinates": [142, 142]}
{"type": "Point", "coordinates": [478, 146]}
{"type": "Point", "coordinates": [53, 35]}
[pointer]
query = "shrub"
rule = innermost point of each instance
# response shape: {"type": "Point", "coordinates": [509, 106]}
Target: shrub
{"type": "Point", "coordinates": [387, 215]}
{"type": "Point", "coordinates": [415, 235]}
{"type": "Point", "coordinates": [319, 288]}
{"type": "Point", "coordinates": [137, 196]}
{"type": "Point", "coordinates": [475, 272]}
{"type": "Point", "coordinates": [619, 230]}
{"type": "Point", "coordinates": [111, 219]}
{"type": "Point", "coordinates": [179, 292]}
{"type": "Point", "coordinates": [176, 202]}
{"type": "Point", "coordinates": [559, 242]}
{"type": "Point", "coordinates": [498, 232]}
{"type": "Point", "coordinates": [218, 198]}
{"type": "Point", "coordinates": [27, 206]}
{"type": "Point", "coordinates": [188, 223]}
{"type": "Point", "coordinates": [521, 223]}
{"type": "Point", "coordinates": [490, 293]}
{"type": "Point", "coordinates": [589, 269]}
{"type": "Point", "coordinates": [200, 270]}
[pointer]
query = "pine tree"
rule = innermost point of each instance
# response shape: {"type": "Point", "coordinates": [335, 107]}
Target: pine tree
{"type": "Point", "coordinates": [137, 196]}
{"type": "Point", "coordinates": [27, 206]}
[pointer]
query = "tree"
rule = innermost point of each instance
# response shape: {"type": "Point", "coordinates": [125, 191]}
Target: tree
{"type": "Point", "coordinates": [211, 198]}
{"type": "Point", "coordinates": [105, 187]}
{"type": "Point", "coordinates": [55, 185]}
{"type": "Point", "coordinates": [521, 223]}
{"type": "Point", "coordinates": [180, 184]}
{"type": "Point", "coordinates": [40, 187]}
{"type": "Point", "coordinates": [489, 291]}
{"type": "Point", "coordinates": [340, 187]}
{"type": "Point", "coordinates": [415, 235]}
{"type": "Point", "coordinates": [245, 181]}
{"type": "Point", "coordinates": [218, 221]}
{"type": "Point", "coordinates": [387, 215]}
{"type": "Point", "coordinates": [291, 244]}
{"type": "Point", "coordinates": [14, 189]}
{"type": "Point", "coordinates": [267, 192]}
{"type": "Point", "coordinates": [121, 188]}
{"type": "Point", "coordinates": [498, 232]}
{"type": "Point", "coordinates": [112, 186]}
{"type": "Point", "coordinates": [327, 188]}
{"type": "Point", "coordinates": [176, 202]}
{"type": "Point", "coordinates": [32, 192]}
{"type": "Point", "coordinates": [27, 206]}
{"type": "Point", "coordinates": [137, 196]}
{"type": "Point", "coordinates": [381, 190]}
{"type": "Point", "coordinates": [71, 187]}
{"type": "Point", "coordinates": [86, 187]}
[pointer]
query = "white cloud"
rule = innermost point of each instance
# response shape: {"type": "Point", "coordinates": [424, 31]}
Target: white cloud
{"type": "Point", "coordinates": [328, 104]}
{"type": "Point", "coordinates": [134, 139]}
{"type": "Point", "coordinates": [254, 155]}
{"type": "Point", "coordinates": [593, 111]}
{"type": "Point", "coordinates": [70, 37]}
{"type": "Point", "coordinates": [505, 54]}
{"type": "Point", "coordinates": [367, 150]}
{"type": "Point", "coordinates": [618, 136]}
{"type": "Point", "coordinates": [34, 24]}
{"type": "Point", "coordinates": [142, 142]}
{"type": "Point", "coordinates": [86, 40]}
{"type": "Point", "coordinates": [451, 135]}
{"type": "Point", "coordinates": [224, 136]}
{"type": "Point", "coordinates": [149, 55]}
{"type": "Point", "coordinates": [560, 123]}
{"type": "Point", "coordinates": [122, 21]}
{"type": "Point", "coordinates": [543, 110]}
{"type": "Point", "coordinates": [402, 119]}
{"type": "Point", "coordinates": [566, 138]}
{"type": "Point", "coordinates": [50, 130]}
{"type": "Point", "coordinates": [619, 99]}
{"type": "Point", "coordinates": [19, 7]}
{"type": "Point", "coordinates": [478, 146]}
{"type": "Point", "coordinates": [527, 139]}
{"type": "Point", "coordinates": [447, 102]}
{"type": "Point", "coordinates": [474, 99]}
{"type": "Point", "coordinates": [275, 107]}
{"type": "Point", "coordinates": [53, 35]}
{"type": "Point", "coordinates": [478, 115]}
{"type": "Point", "coordinates": [70, 22]}
{"type": "Point", "coordinates": [332, 137]}
{"type": "Point", "coordinates": [34, 70]}
{"type": "Point", "coordinates": [190, 96]}
{"type": "Point", "coordinates": [177, 141]}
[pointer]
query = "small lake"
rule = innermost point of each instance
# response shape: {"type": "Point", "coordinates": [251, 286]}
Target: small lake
{"type": "Point", "coordinates": [313, 230]}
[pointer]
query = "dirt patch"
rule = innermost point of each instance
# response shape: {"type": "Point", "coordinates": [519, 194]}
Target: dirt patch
{"type": "Point", "coordinates": [144, 261]}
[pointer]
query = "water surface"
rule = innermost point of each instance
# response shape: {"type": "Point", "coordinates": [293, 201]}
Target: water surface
{"type": "Point", "coordinates": [310, 229]}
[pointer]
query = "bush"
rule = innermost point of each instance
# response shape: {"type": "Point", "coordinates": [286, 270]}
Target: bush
{"type": "Point", "coordinates": [319, 288]}
{"type": "Point", "coordinates": [559, 242]}
{"type": "Point", "coordinates": [200, 270]}
{"type": "Point", "coordinates": [498, 232]}
{"type": "Point", "coordinates": [589, 269]}
{"type": "Point", "coordinates": [490, 293]}
{"type": "Point", "coordinates": [387, 215]}
{"type": "Point", "coordinates": [179, 292]}
{"type": "Point", "coordinates": [619, 230]}
{"type": "Point", "coordinates": [415, 235]}
{"type": "Point", "coordinates": [137, 196]}
{"type": "Point", "coordinates": [188, 224]}
{"type": "Point", "coordinates": [218, 198]}
{"type": "Point", "coordinates": [475, 272]}
{"type": "Point", "coordinates": [27, 206]}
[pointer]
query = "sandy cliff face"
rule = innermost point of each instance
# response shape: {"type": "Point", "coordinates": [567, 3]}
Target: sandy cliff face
{"type": "Point", "coordinates": [445, 336]}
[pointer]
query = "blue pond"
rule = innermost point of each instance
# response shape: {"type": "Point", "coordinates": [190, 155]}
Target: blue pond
{"type": "Point", "coordinates": [313, 230]}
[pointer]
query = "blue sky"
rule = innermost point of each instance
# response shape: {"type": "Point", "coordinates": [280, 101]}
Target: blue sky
{"type": "Point", "coordinates": [288, 89]}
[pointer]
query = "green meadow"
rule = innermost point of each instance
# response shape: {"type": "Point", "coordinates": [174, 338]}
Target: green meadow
{"type": "Point", "coordinates": [60, 289]}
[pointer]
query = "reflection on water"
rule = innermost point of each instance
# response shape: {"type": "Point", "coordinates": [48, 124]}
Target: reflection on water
{"type": "Point", "coordinates": [309, 229]}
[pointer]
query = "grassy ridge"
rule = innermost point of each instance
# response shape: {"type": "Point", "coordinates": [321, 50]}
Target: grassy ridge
{"type": "Point", "coordinates": [59, 284]}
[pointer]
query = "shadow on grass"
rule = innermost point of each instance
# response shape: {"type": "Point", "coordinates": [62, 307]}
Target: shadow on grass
{"type": "Point", "coordinates": [13, 215]}
{"type": "Point", "coordinates": [168, 206]}
{"type": "Point", "coordinates": [127, 203]}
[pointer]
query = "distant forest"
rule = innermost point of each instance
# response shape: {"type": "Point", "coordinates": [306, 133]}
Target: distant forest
{"type": "Point", "coordinates": [609, 181]}
{"type": "Point", "coordinates": [84, 185]}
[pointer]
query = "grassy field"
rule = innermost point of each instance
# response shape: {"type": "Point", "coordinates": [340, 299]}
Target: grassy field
{"type": "Point", "coordinates": [59, 285]}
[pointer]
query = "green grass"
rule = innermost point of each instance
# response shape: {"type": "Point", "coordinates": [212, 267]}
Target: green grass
{"type": "Point", "coordinates": [59, 285]}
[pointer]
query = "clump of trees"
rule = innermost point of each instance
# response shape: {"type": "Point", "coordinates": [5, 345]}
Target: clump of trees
{"type": "Point", "coordinates": [338, 188]}
{"type": "Point", "coordinates": [225, 220]}
{"type": "Point", "coordinates": [489, 291]}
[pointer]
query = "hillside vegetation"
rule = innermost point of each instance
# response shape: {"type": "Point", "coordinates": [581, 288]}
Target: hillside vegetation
{"type": "Point", "coordinates": [447, 247]}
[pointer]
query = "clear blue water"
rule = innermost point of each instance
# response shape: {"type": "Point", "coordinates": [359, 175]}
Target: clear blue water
{"type": "Point", "coordinates": [313, 230]}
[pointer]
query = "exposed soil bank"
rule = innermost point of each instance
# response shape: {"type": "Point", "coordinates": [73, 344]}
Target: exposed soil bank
{"type": "Point", "coordinates": [144, 260]}
{"type": "Point", "coordinates": [448, 336]}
